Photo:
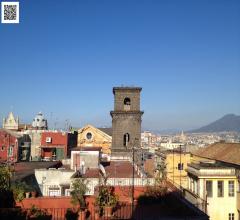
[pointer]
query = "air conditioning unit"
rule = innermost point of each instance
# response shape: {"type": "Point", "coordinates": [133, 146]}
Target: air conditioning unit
{"type": "Point", "coordinates": [48, 139]}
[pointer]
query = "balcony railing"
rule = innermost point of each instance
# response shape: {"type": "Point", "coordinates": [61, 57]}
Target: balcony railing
{"type": "Point", "coordinates": [59, 190]}
{"type": "Point", "coordinates": [195, 199]}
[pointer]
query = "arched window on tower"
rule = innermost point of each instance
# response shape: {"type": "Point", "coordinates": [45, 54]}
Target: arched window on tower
{"type": "Point", "coordinates": [127, 104]}
{"type": "Point", "coordinates": [126, 139]}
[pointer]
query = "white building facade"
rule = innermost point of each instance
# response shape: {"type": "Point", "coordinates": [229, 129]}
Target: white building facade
{"type": "Point", "coordinates": [214, 189]}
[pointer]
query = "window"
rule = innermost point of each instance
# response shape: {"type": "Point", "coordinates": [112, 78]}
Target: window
{"type": "Point", "coordinates": [126, 139]}
{"type": "Point", "coordinates": [89, 135]}
{"type": "Point", "coordinates": [231, 188]}
{"type": "Point", "coordinates": [191, 184]}
{"type": "Point", "coordinates": [220, 189]}
{"type": "Point", "coordinates": [209, 188]}
{"type": "Point", "coordinates": [2, 148]}
{"type": "Point", "coordinates": [48, 139]}
{"type": "Point", "coordinates": [10, 151]}
{"type": "Point", "coordinates": [127, 101]}
{"type": "Point", "coordinates": [180, 166]}
{"type": "Point", "coordinates": [67, 192]}
{"type": "Point", "coordinates": [54, 191]}
{"type": "Point", "coordinates": [231, 216]}
{"type": "Point", "coordinates": [127, 104]}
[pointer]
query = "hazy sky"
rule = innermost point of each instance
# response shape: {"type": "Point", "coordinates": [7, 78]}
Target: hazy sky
{"type": "Point", "coordinates": [65, 56]}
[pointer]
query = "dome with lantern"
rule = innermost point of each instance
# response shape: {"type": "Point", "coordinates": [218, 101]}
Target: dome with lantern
{"type": "Point", "coordinates": [39, 122]}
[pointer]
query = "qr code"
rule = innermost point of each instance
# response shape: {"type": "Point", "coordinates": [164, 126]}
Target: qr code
{"type": "Point", "coordinates": [10, 12]}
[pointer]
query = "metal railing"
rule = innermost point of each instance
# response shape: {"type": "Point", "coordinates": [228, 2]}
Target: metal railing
{"type": "Point", "coordinates": [58, 190]}
{"type": "Point", "coordinates": [121, 211]}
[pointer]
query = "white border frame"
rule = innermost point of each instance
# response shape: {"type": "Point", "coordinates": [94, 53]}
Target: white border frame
{"type": "Point", "coordinates": [2, 13]}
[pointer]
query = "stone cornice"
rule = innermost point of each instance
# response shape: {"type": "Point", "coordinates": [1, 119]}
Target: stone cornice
{"type": "Point", "coordinates": [126, 113]}
{"type": "Point", "coordinates": [139, 89]}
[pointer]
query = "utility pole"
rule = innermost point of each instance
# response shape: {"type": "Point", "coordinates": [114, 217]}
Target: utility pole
{"type": "Point", "coordinates": [133, 171]}
{"type": "Point", "coordinates": [181, 167]}
{"type": "Point", "coordinates": [173, 167]}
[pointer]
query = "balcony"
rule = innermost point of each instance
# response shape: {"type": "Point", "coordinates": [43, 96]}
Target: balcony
{"type": "Point", "coordinates": [195, 199]}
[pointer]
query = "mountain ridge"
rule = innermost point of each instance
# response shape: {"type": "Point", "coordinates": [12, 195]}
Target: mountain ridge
{"type": "Point", "coordinates": [229, 122]}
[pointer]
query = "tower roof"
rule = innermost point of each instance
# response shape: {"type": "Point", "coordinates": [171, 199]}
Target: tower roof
{"type": "Point", "coordinates": [127, 88]}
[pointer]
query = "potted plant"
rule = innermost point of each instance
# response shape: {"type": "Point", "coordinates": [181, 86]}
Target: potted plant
{"type": "Point", "coordinates": [27, 191]}
{"type": "Point", "coordinates": [106, 199]}
{"type": "Point", "coordinates": [79, 189]}
{"type": "Point", "coordinates": [111, 202]}
{"type": "Point", "coordinates": [27, 195]}
{"type": "Point", "coordinates": [33, 191]}
{"type": "Point", "coordinates": [18, 189]}
{"type": "Point", "coordinates": [38, 214]}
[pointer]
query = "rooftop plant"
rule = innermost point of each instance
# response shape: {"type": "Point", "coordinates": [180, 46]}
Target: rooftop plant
{"type": "Point", "coordinates": [79, 189]}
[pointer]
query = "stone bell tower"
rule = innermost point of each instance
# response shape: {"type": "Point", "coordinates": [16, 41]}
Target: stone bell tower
{"type": "Point", "coordinates": [126, 119]}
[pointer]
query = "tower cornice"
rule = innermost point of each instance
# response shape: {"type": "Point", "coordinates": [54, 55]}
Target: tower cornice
{"type": "Point", "coordinates": [130, 89]}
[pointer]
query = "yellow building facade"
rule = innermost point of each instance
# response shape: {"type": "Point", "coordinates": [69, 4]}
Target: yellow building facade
{"type": "Point", "coordinates": [214, 180]}
{"type": "Point", "coordinates": [176, 164]}
{"type": "Point", "coordinates": [214, 189]}
{"type": "Point", "coordinates": [89, 136]}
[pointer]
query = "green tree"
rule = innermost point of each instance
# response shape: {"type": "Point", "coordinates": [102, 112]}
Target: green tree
{"type": "Point", "coordinates": [6, 195]}
{"type": "Point", "coordinates": [79, 189]}
{"type": "Point", "coordinates": [106, 195]}
{"type": "Point", "coordinates": [5, 176]}
{"type": "Point", "coordinates": [19, 189]}
{"type": "Point", "coordinates": [161, 173]}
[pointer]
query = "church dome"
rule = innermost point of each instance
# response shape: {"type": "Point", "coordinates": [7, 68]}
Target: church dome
{"type": "Point", "coordinates": [39, 121]}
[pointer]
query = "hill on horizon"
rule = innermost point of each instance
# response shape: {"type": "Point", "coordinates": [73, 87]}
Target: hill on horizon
{"type": "Point", "coordinates": [229, 122]}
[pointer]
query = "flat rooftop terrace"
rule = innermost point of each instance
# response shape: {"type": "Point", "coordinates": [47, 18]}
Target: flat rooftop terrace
{"type": "Point", "coordinates": [24, 169]}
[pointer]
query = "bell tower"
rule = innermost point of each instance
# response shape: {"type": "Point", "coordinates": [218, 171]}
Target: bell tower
{"type": "Point", "coordinates": [126, 119]}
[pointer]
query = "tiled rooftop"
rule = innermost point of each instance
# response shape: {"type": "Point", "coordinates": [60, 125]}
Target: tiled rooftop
{"type": "Point", "coordinates": [119, 169]}
{"type": "Point", "coordinates": [107, 131]}
{"type": "Point", "coordinates": [226, 152]}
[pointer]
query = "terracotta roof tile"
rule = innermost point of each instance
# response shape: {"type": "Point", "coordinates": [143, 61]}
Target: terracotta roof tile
{"type": "Point", "coordinates": [226, 152]}
{"type": "Point", "coordinates": [108, 131]}
{"type": "Point", "coordinates": [119, 169]}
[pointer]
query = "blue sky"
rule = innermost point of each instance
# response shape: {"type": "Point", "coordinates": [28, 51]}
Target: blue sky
{"type": "Point", "coordinates": [65, 56]}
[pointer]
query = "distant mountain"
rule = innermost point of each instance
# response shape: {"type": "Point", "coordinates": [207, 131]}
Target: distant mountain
{"type": "Point", "coordinates": [228, 122]}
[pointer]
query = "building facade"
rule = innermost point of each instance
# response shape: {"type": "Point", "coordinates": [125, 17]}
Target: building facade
{"type": "Point", "coordinates": [14, 146]}
{"type": "Point", "coordinates": [56, 145]}
{"type": "Point", "coordinates": [176, 162]}
{"type": "Point", "coordinates": [213, 188]}
{"type": "Point", "coordinates": [213, 180]}
{"type": "Point", "coordinates": [126, 119]}
{"type": "Point", "coordinates": [11, 123]}
{"type": "Point", "coordinates": [89, 136]}
{"type": "Point", "coordinates": [35, 139]}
